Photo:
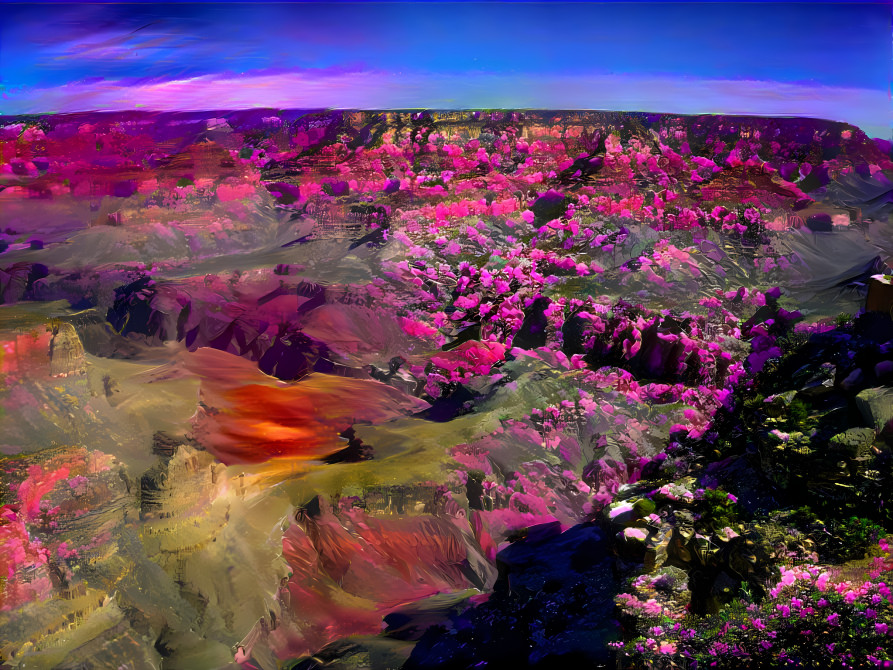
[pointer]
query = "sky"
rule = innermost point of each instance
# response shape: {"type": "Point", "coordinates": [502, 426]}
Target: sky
{"type": "Point", "coordinates": [831, 60]}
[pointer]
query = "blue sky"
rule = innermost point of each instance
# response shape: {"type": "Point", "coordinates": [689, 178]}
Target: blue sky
{"type": "Point", "coordinates": [458, 54]}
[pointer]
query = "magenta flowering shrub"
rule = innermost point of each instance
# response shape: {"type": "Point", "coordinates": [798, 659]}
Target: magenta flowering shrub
{"type": "Point", "coordinates": [778, 449]}
{"type": "Point", "coordinates": [813, 617]}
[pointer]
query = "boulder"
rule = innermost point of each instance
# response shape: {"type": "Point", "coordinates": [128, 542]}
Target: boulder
{"type": "Point", "coordinates": [876, 405]}
{"type": "Point", "coordinates": [854, 442]}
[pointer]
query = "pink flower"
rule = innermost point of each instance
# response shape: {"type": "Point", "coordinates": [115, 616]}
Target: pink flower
{"type": "Point", "coordinates": [880, 628]}
{"type": "Point", "coordinates": [652, 607]}
{"type": "Point", "coordinates": [468, 302]}
{"type": "Point", "coordinates": [452, 248]}
{"type": "Point", "coordinates": [416, 328]}
{"type": "Point", "coordinates": [832, 618]}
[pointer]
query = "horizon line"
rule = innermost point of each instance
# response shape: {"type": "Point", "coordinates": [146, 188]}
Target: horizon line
{"type": "Point", "coordinates": [4, 118]}
{"type": "Point", "coordinates": [373, 90]}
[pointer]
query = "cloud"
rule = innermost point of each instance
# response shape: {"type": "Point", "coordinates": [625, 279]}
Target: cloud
{"type": "Point", "coordinates": [866, 108]}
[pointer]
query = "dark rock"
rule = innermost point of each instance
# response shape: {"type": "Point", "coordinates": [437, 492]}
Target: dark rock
{"type": "Point", "coordinates": [455, 402]}
{"type": "Point", "coordinates": [549, 206]}
{"type": "Point", "coordinates": [552, 606]}
{"type": "Point", "coordinates": [532, 333]}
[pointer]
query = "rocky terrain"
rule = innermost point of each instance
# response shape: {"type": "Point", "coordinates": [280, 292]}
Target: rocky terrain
{"type": "Point", "coordinates": [349, 389]}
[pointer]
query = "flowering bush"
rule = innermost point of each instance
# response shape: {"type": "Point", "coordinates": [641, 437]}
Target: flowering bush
{"type": "Point", "coordinates": [812, 618]}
